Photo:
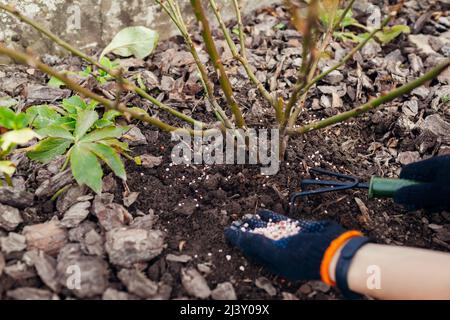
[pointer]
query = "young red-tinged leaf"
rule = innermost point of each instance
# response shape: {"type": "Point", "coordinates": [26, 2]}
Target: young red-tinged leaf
{"type": "Point", "coordinates": [48, 149]}
{"type": "Point", "coordinates": [86, 168]}
{"type": "Point", "coordinates": [109, 156]}
{"type": "Point", "coordinates": [85, 120]}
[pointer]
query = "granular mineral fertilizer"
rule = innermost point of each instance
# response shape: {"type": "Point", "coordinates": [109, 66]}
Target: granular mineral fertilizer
{"type": "Point", "coordinates": [279, 230]}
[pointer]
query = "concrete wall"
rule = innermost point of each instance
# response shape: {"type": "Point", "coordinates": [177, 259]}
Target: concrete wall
{"type": "Point", "coordinates": [92, 23]}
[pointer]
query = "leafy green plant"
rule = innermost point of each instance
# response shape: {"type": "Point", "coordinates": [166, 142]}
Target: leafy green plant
{"type": "Point", "coordinates": [100, 75]}
{"type": "Point", "coordinates": [78, 132]}
{"type": "Point", "coordinates": [14, 132]}
{"type": "Point", "coordinates": [104, 76]}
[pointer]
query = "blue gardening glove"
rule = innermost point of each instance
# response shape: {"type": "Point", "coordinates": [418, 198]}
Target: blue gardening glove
{"type": "Point", "coordinates": [434, 192]}
{"type": "Point", "coordinates": [297, 257]}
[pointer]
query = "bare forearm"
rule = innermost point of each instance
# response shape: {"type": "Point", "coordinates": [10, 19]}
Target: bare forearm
{"type": "Point", "coordinates": [390, 272]}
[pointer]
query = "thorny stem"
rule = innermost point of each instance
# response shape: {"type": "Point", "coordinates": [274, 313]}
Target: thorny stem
{"type": "Point", "coordinates": [135, 114]}
{"type": "Point", "coordinates": [351, 53]}
{"type": "Point", "coordinates": [308, 56]}
{"type": "Point", "coordinates": [173, 11]}
{"type": "Point", "coordinates": [405, 89]}
{"type": "Point", "coordinates": [129, 85]}
{"type": "Point", "coordinates": [312, 71]}
{"type": "Point", "coordinates": [279, 112]}
{"type": "Point", "coordinates": [241, 57]}
{"type": "Point", "coordinates": [241, 28]}
{"type": "Point", "coordinates": [216, 60]}
{"type": "Point", "coordinates": [120, 87]}
{"type": "Point", "coordinates": [312, 82]}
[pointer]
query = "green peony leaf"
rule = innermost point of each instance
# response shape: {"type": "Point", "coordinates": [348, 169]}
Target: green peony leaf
{"type": "Point", "coordinates": [74, 104]}
{"type": "Point", "coordinates": [48, 149]}
{"type": "Point", "coordinates": [105, 133]}
{"type": "Point", "coordinates": [86, 168]}
{"type": "Point", "coordinates": [85, 121]}
{"type": "Point", "coordinates": [7, 167]}
{"type": "Point", "coordinates": [15, 137]}
{"type": "Point", "coordinates": [56, 132]}
{"type": "Point", "coordinates": [42, 116]}
{"type": "Point", "coordinates": [109, 156]}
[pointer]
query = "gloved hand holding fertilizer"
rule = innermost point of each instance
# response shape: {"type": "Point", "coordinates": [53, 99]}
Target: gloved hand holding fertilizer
{"type": "Point", "coordinates": [324, 250]}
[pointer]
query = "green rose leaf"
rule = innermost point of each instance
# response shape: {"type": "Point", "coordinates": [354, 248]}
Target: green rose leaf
{"type": "Point", "coordinates": [116, 144]}
{"type": "Point", "coordinates": [55, 83]}
{"type": "Point", "coordinates": [8, 102]}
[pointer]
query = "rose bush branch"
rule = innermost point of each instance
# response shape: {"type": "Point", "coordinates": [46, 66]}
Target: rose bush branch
{"type": "Point", "coordinates": [315, 80]}
{"type": "Point", "coordinates": [217, 62]}
{"type": "Point", "coordinates": [237, 10]}
{"type": "Point", "coordinates": [241, 57]}
{"type": "Point", "coordinates": [173, 11]}
{"type": "Point", "coordinates": [327, 37]}
{"type": "Point", "coordinates": [309, 54]}
{"type": "Point", "coordinates": [405, 89]}
{"type": "Point", "coordinates": [134, 113]}
{"type": "Point", "coordinates": [344, 60]}
{"type": "Point", "coordinates": [127, 84]}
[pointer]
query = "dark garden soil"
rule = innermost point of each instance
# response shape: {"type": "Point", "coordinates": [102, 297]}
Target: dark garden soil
{"type": "Point", "coordinates": [193, 204]}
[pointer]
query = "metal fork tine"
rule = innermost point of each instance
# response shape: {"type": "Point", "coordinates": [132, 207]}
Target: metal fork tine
{"type": "Point", "coordinates": [331, 186]}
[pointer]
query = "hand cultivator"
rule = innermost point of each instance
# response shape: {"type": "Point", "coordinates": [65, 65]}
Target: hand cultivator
{"type": "Point", "coordinates": [377, 187]}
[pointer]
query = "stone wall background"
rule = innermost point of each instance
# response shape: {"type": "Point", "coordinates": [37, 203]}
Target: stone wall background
{"type": "Point", "coordinates": [93, 23]}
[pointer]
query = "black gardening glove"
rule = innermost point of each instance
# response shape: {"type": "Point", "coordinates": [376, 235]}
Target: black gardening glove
{"type": "Point", "coordinates": [433, 194]}
{"type": "Point", "coordinates": [298, 257]}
